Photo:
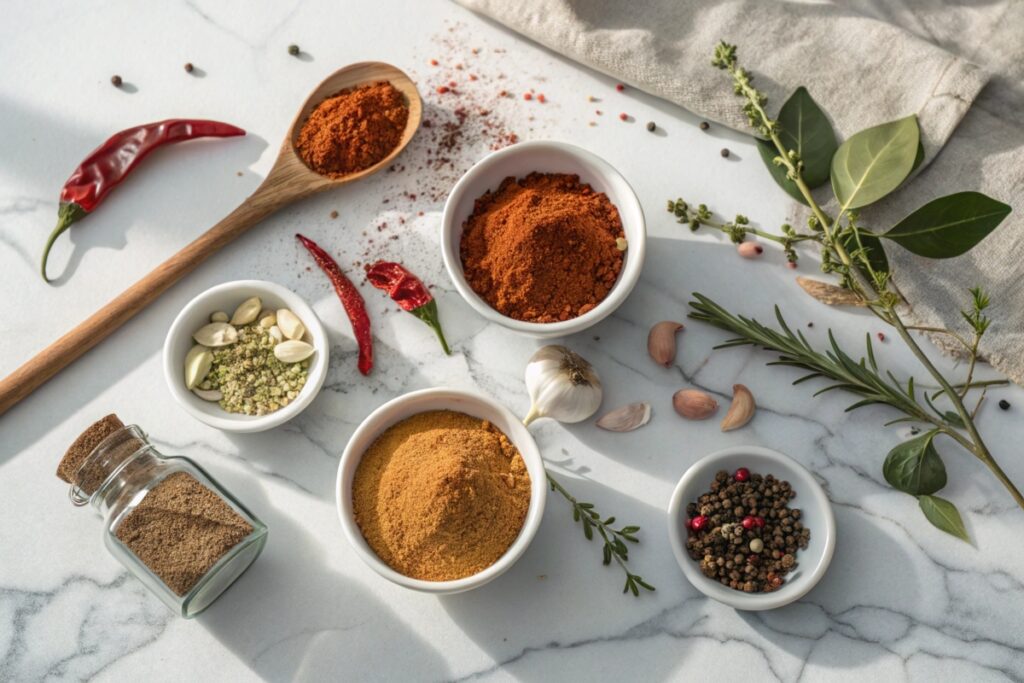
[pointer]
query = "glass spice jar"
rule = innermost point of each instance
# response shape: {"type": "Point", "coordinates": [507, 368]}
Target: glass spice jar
{"type": "Point", "coordinates": [167, 520]}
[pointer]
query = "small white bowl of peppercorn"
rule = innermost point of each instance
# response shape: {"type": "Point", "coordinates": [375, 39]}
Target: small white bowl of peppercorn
{"type": "Point", "coordinates": [751, 528]}
{"type": "Point", "coordinates": [543, 238]}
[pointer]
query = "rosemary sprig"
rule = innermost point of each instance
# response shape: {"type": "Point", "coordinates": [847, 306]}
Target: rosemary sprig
{"type": "Point", "coordinates": [614, 539]}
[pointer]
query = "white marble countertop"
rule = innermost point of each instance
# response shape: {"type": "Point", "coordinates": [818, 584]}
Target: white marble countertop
{"type": "Point", "coordinates": [901, 600]}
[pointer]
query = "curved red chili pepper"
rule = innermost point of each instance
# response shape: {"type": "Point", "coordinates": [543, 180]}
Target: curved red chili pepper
{"type": "Point", "coordinates": [110, 163]}
{"type": "Point", "coordinates": [408, 292]}
{"type": "Point", "coordinates": [351, 299]}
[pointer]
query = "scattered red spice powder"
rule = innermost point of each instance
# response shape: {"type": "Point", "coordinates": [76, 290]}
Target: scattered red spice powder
{"type": "Point", "coordinates": [541, 98]}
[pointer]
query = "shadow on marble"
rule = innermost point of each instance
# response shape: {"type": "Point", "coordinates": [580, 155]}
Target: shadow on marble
{"type": "Point", "coordinates": [291, 618]}
{"type": "Point", "coordinates": [851, 584]}
{"type": "Point", "coordinates": [507, 617]}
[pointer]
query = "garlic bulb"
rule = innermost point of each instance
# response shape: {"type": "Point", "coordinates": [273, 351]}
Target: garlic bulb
{"type": "Point", "coordinates": [562, 385]}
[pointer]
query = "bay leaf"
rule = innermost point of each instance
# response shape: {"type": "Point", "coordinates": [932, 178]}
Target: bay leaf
{"type": "Point", "coordinates": [874, 162]}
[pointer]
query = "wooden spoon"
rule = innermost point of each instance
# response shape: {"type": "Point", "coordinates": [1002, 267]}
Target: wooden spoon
{"type": "Point", "coordinates": [289, 179]}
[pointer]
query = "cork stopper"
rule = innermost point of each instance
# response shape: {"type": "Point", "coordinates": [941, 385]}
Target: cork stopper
{"type": "Point", "coordinates": [85, 444]}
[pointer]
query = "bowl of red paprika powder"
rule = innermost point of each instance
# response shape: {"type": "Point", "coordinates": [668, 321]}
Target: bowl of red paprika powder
{"type": "Point", "coordinates": [543, 238]}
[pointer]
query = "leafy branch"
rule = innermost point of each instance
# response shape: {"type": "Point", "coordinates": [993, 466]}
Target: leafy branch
{"type": "Point", "coordinates": [802, 154]}
{"type": "Point", "coordinates": [614, 539]}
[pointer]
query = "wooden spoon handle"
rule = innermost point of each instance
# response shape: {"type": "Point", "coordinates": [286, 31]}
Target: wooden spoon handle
{"type": "Point", "coordinates": [94, 329]}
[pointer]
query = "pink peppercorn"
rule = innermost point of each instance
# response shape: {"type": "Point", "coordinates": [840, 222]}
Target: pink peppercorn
{"type": "Point", "coordinates": [698, 522]}
{"type": "Point", "coordinates": [541, 98]}
{"type": "Point", "coordinates": [624, 117]}
{"type": "Point", "coordinates": [442, 89]}
{"type": "Point", "coordinates": [759, 522]}
{"type": "Point", "coordinates": [620, 87]}
{"type": "Point", "coordinates": [527, 96]}
{"type": "Point", "coordinates": [881, 337]}
{"type": "Point", "coordinates": [742, 474]}
{"type": "Point", "coordinates": [748, 522]}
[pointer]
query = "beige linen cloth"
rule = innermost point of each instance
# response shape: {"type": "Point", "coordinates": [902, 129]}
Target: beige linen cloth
{"type": "Point", "coordinates": [959, 67]}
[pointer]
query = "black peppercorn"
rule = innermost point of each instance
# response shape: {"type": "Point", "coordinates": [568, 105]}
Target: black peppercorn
{"type": "Point", "coordinates": [116, 80]}
{"type": "Point", "coordinates": [293, 50]}
{"type": "Point", "coordinates": [704, 125]}
{"type": "Point", "coordinates": [651, 126]}
{"type": "Point", "coordinates": [188, 67]}
{"type": "Point", "coordinates": [1004, 404]}
{"type": "Point", "coordinates": [725, 153]}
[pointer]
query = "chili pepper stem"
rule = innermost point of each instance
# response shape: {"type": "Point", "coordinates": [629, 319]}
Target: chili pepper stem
{"type": "Point", "coordinates": [68, 213]}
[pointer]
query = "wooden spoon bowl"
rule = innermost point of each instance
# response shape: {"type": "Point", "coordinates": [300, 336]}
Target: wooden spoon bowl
{"type": "Point", "coordinates": [289, 180]}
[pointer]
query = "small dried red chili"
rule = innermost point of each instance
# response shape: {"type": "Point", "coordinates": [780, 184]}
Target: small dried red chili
{"type": "Point", "coordinates": [351, 299]}
{"type": "Point", "coordinates": [110, 163]}
{"type": "Point", "coordinates": [408, 292]}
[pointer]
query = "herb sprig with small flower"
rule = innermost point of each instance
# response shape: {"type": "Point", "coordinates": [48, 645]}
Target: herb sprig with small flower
{"type": "Point", "coordinates": [802, 153]}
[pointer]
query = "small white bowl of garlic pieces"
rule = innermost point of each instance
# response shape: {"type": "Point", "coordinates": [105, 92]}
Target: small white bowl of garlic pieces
{"type": "Point", "coordinates": [246, 356]}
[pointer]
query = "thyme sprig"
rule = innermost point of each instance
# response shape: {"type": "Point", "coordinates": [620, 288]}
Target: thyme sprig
{"type": "Point", "coordinates": [614, 539]}
{"type": "Point", "coordinates": [853, 253]}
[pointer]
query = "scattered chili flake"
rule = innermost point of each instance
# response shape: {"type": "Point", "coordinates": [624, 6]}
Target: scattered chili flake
{"type": "Point", "coordinates": [541, 98]}
{"type": "Point", "coordinates": [442, 89]}
{"type": "Point", "coordinates": [116, 80]}
{"type": "Point", "coordinates": [433, 62]}
{"type": "Point", "coordinates": [472, 77]}
{"type": "Point", "coordinates": [527, 96]}
{"type": "Point", "coordinates": [620, 87]}
{"type": "Point", "coordinates": [881, 336]}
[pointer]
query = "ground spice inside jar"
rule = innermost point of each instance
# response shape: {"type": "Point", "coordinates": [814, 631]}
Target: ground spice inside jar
{"type": "Point", "coordinates": [542, 248]}
{"type": "Point", "coordinates": [180, 530]}
{"type": "Point", "coordinates": [441, 495]}
{"type": "Point", "coordinates": [353, 129]}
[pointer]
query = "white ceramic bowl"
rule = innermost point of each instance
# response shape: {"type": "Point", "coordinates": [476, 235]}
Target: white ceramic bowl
{"type": "Point", "coordinates": [467, 402]}
{"type": "Point", "coordinates": [520, 160]}
{"type": "Point", "coordinates": [816, 514]}
{"type": "Point", "coordinates": [226, 297]}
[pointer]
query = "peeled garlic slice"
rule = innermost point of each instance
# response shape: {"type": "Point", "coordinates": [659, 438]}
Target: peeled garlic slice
{"type": "Point", "coordinates": [290, 324]}
{"type": "Point", "coordinates": [198, 362]}
{"type": "Point", "coordinates": [293, 351]}
{"type": "Point", "coordinates": [208, 394]}
{"type": "Point", "coordinates": [247, 311]}
{"type": "Point", "coordinates": [216, 334]}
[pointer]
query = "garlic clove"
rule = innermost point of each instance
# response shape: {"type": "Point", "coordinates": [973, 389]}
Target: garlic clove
{"type": "Point", "coordinates": [276, 333]}
{"type": "Point", "coordinates": [741, 410]}
{"type": "Point", "coordinates": [627, 418]}
{"type": "Point", "coordinates": [293, 351]}
{"type": "Point", "coordinates": [212, 395]}
{"type": "Point", "coordinates": [247, 311]}
{"type": "Point", "coordinates": [749, 249]}
{"type": "Point", "coordinates": [661, 342]}
{"type": "Point", "coordinates": [216, 334]}
{"type": "Point", "coordinates": [198, 362]}
{"type": "Point", "coordinates": [562, 385]}
{"type": "Point", "coordinates": [693, 404]}
{"type": "Point", "coordinates": [290, 324]}
{"type": "Point", "coordinates": [219, 317]}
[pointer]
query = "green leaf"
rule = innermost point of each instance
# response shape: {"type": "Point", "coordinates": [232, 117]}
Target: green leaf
{"type": "Point", "coordinates": [876, 255]}
{"type": "Point", "coordinates": [807, 131]}
{"type": "Point", "coordinates": [874, 162]}
{"type": "Point", "coordinates": [954, 419]}
{"type": "Point", "coordinates": [915, 467]}
{"type": "Point", "coordinates": [943, 515]}
{"type": "Point", "coordinates": [949, 226]}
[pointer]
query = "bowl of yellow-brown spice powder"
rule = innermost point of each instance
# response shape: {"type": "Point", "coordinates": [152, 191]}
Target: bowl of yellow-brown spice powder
{"type": "Point", "coordinates": [441, 490]}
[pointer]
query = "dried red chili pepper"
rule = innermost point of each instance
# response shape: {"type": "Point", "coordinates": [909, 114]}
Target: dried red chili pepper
{"type": "Point", "coordinates": [351, 299]}
{"type": "Point", "coordinates": [110, 163]}
{"type": "Point", "coordinates": [408, 292]}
